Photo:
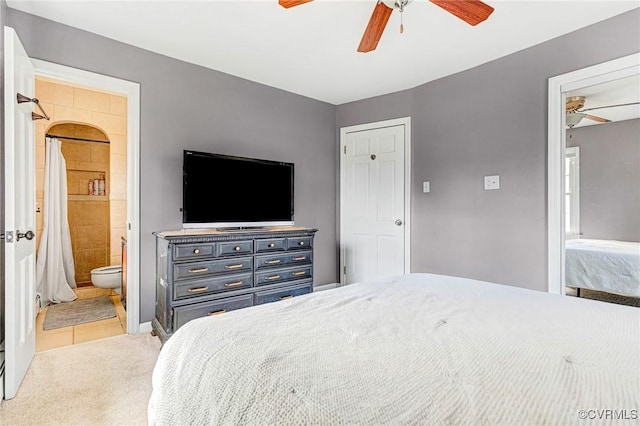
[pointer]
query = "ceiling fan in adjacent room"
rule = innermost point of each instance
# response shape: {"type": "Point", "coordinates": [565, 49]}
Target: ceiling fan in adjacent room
{"type": "Point", "coordinates": [575, 112]}
{"type": "Point", "coordinates": [471, 11]}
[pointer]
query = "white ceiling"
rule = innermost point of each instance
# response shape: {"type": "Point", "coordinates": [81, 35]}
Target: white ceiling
{"type": "Point", "coordinates": [311, 49]}
{"type": "Point", "coordinates": [616, 92]}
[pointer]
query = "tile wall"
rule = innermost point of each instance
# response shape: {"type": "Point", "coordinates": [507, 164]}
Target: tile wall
{"type": "Point", "coordinates": [94, 115]}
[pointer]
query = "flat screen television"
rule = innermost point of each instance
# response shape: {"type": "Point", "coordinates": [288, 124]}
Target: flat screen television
{"type": "Point", "coordinates": [223, 191]}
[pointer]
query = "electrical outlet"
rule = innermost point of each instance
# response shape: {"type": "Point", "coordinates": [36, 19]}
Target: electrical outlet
{"type": "Point", "coordinates": [491, 182]}
{"type": "Point", "coordinates": [426, 187]}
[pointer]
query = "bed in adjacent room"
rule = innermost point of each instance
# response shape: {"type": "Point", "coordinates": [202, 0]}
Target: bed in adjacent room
{"type": "Point", "coordinates": [413, 349]}
{"type": "Point", "coordinates": [603, 265]}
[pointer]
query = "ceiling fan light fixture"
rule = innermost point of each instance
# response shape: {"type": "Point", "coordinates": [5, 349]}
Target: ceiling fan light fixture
{"type": "Point", "coordinates": [574, 118]}
{"type": "Point", "coordinates": [397, 4]}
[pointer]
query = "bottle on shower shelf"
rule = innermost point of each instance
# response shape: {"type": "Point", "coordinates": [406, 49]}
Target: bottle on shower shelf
{"type": "Point", "coordinates": [102, 185]}
{"type": "Point", "coordinates": [90, 186]}
{"type": "Point", "coordinates": [95, 187]}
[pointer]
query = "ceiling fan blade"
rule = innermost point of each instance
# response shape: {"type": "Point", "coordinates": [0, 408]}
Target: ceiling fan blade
{"type": "Point", "coordinates": [609, 106]}
{"type": "Point", "coordinates": [291, 3]}
{"type": "Point", "coordinates": [375, 28]}
{"type": "Point", "coordinates": [470, 11]}
{"type": "Point", "coordinates": [598, 119]}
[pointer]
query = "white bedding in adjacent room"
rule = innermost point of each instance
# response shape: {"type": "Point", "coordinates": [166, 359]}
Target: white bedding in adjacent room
{"type": "Point", "coordinates": [603, 265]}
{"type": "Point", "coordinates": [414, 349]}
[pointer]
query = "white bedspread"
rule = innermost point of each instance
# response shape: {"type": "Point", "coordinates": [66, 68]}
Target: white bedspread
{"type": "Point", "coordinates": [416, 349]}
{"type": "Point", "coordinates": [604, 265]}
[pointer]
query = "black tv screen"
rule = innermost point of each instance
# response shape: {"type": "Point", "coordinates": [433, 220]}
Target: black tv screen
{"type": "Point", "coordinates": [226, 191]}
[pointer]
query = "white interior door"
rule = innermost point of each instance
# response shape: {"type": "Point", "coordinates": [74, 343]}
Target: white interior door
{"type": "Point", "coordinates": [19, 192]}
{"type": "Point", "coordinates": [374, 200]}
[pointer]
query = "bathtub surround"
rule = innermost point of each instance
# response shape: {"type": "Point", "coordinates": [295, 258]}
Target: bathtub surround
{"type": "Point", "coordinates": [97, 221]}
{"type": "Point", "coordinates": [54, 266]}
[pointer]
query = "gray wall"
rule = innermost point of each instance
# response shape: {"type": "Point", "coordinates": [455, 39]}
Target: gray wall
{"type": "Point", "coordinates": [609, 179]}
{"type": "Point", "coordinates": [488, 120]}
{"type": "Point", "coordinates": [3, 21]}
{"type": "Point", "coordinates": [187, 106]}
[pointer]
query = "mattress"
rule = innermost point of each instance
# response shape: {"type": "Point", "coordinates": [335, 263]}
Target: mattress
{"type": "Point", "coordinates": [412, 349]}
{"type": "Point", "coordinates": [603, 265]}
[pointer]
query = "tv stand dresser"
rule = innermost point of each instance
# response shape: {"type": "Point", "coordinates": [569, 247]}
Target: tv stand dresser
{"type": "Point", "coordinates": [209, 272]}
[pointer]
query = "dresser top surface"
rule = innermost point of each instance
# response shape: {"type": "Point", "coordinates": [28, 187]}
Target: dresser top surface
{"type": "Point", "coordinates": [221, 232]}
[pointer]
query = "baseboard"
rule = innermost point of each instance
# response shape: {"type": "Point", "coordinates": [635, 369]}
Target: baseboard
{"type": "Point", "coordinates": [325, 287]}
{"type": "Point", "coordinates": [145, 327]}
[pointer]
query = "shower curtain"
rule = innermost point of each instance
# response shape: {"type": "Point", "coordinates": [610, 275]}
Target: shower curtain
{"type": "Point", "coordinates": [55, 271]}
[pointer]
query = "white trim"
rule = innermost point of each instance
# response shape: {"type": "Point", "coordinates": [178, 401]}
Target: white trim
{"type": "Point", "coordinates": [403, 121]}
{"type": "Point", "coordinates": [145, 327]}
{"type": "Point", "coordinates": [558, 87]}
{"type": "Point", "coordinates": [132, 91]}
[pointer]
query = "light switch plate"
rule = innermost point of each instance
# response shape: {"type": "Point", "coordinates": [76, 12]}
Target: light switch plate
{"type": "Point", "coordinates": [491, 182]}
{"type": "Point", "coordinates": [426, 187]}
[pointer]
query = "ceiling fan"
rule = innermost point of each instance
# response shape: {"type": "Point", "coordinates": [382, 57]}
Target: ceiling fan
{"type": "Point", "coordinates": [575, 113]}
{"type": "Point", "coordinates": [471, 11]}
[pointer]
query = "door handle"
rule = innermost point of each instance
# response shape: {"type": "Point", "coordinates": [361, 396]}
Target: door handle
{"type": "Point", "coordinates": [398, 222]}
{"type": "Point", "coordinates": [28, 235]}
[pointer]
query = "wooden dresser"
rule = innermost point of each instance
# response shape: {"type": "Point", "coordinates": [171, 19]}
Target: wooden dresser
{"type": "Point", "coordinates": [210, 272]}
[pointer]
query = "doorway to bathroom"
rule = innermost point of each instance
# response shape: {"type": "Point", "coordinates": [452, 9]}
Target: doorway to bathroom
{"type": "Point", "coordinates": [89, 110]}
{"type": "Point", "coordinates": [90, 128]}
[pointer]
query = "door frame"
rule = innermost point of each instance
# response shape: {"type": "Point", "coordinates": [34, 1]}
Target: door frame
{"type": "Point", "coordinates": [132, 91]}
{"type": "Point", "coordinates": [558, 87]}
{"type": "Point", "coordinates": [402, 121]}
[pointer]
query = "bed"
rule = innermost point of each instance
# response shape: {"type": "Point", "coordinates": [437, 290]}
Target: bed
{"type": "Point", "coordinates": [603, 265]}
{"type": "Point", "coordinates": [412, 349]}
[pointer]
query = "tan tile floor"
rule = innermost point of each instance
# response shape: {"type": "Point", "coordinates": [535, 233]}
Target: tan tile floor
{"type": "Point", "coordinates": [67, 336]}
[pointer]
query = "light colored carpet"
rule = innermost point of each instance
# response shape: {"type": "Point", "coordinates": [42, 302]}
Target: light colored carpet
{"type": "Point", "coordinates": [103, 382]}
{"type": "Point", "coordinates": [79, 312]}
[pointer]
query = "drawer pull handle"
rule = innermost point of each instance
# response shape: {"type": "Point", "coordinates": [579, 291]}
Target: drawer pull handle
{"type": "Point", "coordinates": [272, 262]}
{"type": "Point", "coordinates": [239, 265]}
{"type": "Point", "coordinates": [273, 277]}
{"type": "Point", "coordinates": [272, 245]}
{"type": "Point", "coordinates": [214, 313]}
{"type": "Point", "coordinates": [195, 271]}
{"type": "Point", "coordinates": [298, 273]}
{"type": "Point", "coordinates": [286, 297]}
{"type": "Point", "coordinates": [237, 248]}
{"type": "Point", "coordinates": [198, 289]}
{"type": "Point", "coordinates": [233, 284]}
{"type": "Point", "coordinates": [301, 243]}
{"type": "Point", "coordinates": [300, 258]}
{"type": "Point", "coordinates": [196, 251]}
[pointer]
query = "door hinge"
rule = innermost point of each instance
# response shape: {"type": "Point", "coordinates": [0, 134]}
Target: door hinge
{"type": "Point", "coordinates": [344, 270]}
{"type": "Point", "coordinates": [345, 149]}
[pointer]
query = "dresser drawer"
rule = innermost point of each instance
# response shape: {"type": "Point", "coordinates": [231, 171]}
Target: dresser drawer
{"type": "Point", "coordinates": [283, 259]}
{"type": "Point", "coordinates": [276, 276]}
{"type": "Point", "coordinates": [275, 295]}
{"type": "Point", "coordinates": [235, 247]}
{"type": "Point", "coordinates": [197, 269]}
{"type": "Point", "coordinates": [210, 285]}
{"type": "Point", "coordinates": [273, 244]}
{"type": "Point", "coordinates": [184, 314]}
{"type": "Point", "coordinates": [299, 243]}
{"type": "Point", "coordinates": [189, 251]}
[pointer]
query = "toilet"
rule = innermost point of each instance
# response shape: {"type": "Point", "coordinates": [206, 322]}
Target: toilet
{"type": "Point", "coordinates": [107, 277]}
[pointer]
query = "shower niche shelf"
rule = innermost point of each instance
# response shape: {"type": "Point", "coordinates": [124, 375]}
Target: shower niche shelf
{"type": "Point", "coordinates": [73, 197]}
